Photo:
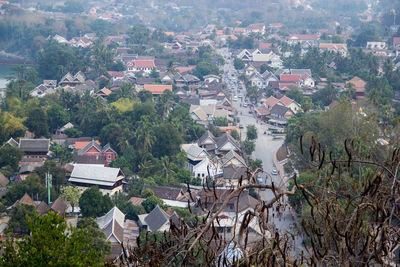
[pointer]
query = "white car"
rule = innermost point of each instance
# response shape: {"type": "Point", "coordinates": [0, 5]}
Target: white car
{"type": "Point", "coordinates": [235, 98]}
{"type": "Point", "coordinates": [274, 172]}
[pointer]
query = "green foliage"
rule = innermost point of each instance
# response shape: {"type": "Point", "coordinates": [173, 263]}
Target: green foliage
{"type": "Point", "coordinates": [53, 243]}
{"type": "Point", "coordinates": [251, 132]}
{"type": "Point", "coordinates": [70, 195]}
{"type": "Point", "coordinates": [10, 157]}
{"type": "Point", "coordinates": [186, 215]}
{"type": "Point", "coordinates": [238, 63]}
{"type": "Point", "coordinates": [221, 121]}
{"type": "Point", "coordinates": [57, 173]}
{"type": "Point", "coordinates": [31, 185]}
{"type": "Point", "coordinates": [151, 202]}
{"type": "Point", "coordinates": [37, 122]}
{"type": "Point", "coordinates": [252, 93]}
{"type": "Point", "coordinates": [255, 164]}
{"type": "Point", "coordinates": [18, 220]}
{"type": "Point", "coordinates": [93, 204]}
{"type": "Point", "coordinates": [235, 135]}
{"type": "Point", "coordinates": [204, 68]}
{"type": "Point", "coordinates": [248, 147]}
{"type": "Point", "coordinates": [90, 227]}
{"type": "Point", "coordinates": [57, 117]}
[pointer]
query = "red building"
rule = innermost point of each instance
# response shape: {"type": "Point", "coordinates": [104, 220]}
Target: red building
{"type": "Point", "coordinates": [94, 153]}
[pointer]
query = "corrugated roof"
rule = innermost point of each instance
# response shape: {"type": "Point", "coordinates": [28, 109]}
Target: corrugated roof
{"type": "Point", "coordinates": [95, 173]}
{"type": "Point", "coordinates": [35, 145]}
{"type": "Point", "coordinates": [156, 219]}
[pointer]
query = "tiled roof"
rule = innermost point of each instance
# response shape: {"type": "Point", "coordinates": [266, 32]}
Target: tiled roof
{"type": "Point", "coordinates": [26, 199]}
{"type": "Point", "coordinates": [35, 145]}
{"type": "Point", "coordinates": [95, 175]}
{"type": "Point", "coordinates": [165, 192]}
{"type": "Point", "coordinates": [156, 219]}
{"type": "Point", "coordinates": [396, 40]}
{"type": "Point", "coordinates": [157, 89]}
{"type": "Point", "coordinates": [59, 206]}
{"type": "Point", "coordinates": [286, 100]}
{"type": "Point", "coordinates": [115, 73]}
{"type": "Point", "coordinates": [358, 83]}
{"type": "Point", "coordinates": [305, 37]}
{"type": "Point", "coordinates": [290, 78]}
{"type": "Point", "coordinates": [112, 224]}
{"type": "Point", "coordinates": [83, 144]}
{"type": "Point", "coordinates": [136, 201]}
{"type": "Point", "coordinates": [333, 46]}
{"type": "Point", "coordinates": [264, 45]}
{"type": "Point", "coordinates": [271, 101]}
{"type": "Point", "coordinates": [263, 111]}
{"type": "Point", "coordinates": [144, 63]}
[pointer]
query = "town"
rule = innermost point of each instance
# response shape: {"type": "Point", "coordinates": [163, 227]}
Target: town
{"type": "Point", "coordinates": [131, 139]}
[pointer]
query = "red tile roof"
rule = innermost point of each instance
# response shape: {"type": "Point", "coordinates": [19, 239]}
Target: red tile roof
{"type": "Point", "coordinates": [256, 26]}
{"type": "Point", "coordinates": [286, 100]}
{"type": "Point", "coordinates": [263, 111]}
{"type": "Point", "coordinates": [358, 83]}
{"type": "Point", "coordinates": [271, 101]}
{"type": "Point", "coordinates": [264, 45]}
{"type": "Point", "coordinates": [83, 144]}
{"type": "Point", "coordinates": [157, 89]}
{"type": "Point", "coordinates": [104, 91]}
{"type": "Point", "coordinates": [286, 86]}
{"type": "Point", "coordinates": [396, 40]}
{"type": "Point", "coordinates": [115, 73]}
{"type": "Point", "coordinates": [136, 201]}
{"type": "Point", "coordinates": [144, 63]}
{"type": "Point", "coordinates": [186, 69]}
{"type": "Point", "coordinates": [303, 37]}
{"type": "Point", "coordinates": [290, 78]}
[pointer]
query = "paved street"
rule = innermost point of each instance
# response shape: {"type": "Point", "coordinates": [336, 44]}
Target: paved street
{"type": "Point", "coordinates": [265, 148]}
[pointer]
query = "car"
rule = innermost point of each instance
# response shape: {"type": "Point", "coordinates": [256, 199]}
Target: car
{"type": "Point", "coordinates": [235, 98]}
{"type": "Point", "coordinates": [245, 105]}
{"type": "Point", "coordinates": [241, 126]}
{"type": "Point", "coordinates": [274, 172]}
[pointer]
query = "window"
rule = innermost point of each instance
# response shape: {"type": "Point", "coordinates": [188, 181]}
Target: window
{"type": "Point", "coordinates": [109, 156]}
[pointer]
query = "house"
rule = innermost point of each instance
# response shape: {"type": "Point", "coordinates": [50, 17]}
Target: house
{"type": "Point", "coordinates": [157, 89]}
{"type": "Point", "coordinates": [233, 158]}
{"type": "Point", "coordinates": [305, 40]}
{"type": "Point", "coordinates": [185, 79]}
{"type": "Point", "coordinates": [290, 103]}
{"type": "Point", "coordinates": [290, 78]}
{"type": "Point", "coordinates": [226, 143]}
{"type": "Point", "coordinates": [376, 45]}
{"type": "Point", "coordinates": [271, 101]}
{"type": "Point", "coordinates": [82, 42]}
{"type": "Point", "coordinates": [359, 85]}
{"type": "Point", "coordinates": [256, 28]}
{"type": "Point", "coordinates": [336, 48]}
{"type": "Point", "coordinates": [171, 196]}
{"type": "Point", "coordinates": [116, 75]}
{"type": "Point", "coordinates": [61, 130]}
{"type": "Point", "coordinates": [35, 150]}
{"type": "Point", "coordinates": [240, 202]}
{"type": "Point", "coordinates": [145, 65]}
{"type": "Point", "coordinates": [263, 46]}
{"type": "Point", "coordinates": [271, 59]}
{"type": "Point", "coordinates": [256, 79]}
{"type": "Point", "coordinates": [262, 112]}
{"type": "Point", "coordinates": [208, 142]}
{"type": "Point", "coordinates": [94, 153]}
{"type": "Point", "coordinates": [157, 220]}
{"type": "Point", "coordinates": [206, 169]}
{"type": "Point", "coordinates": [232, 174]}
{"type": "Point", "coordinates": [109, 180]}
{"type": "Point", "coordinates": [280, 114]}
{"type": "Point", "coordinates": [113, 226]}
{"type": "Point", "coordinates": [72, 81]}
{"type": "Point", "coordinates": [250, 69]}
{"type": "Point", "coordinates": [211, 78]}
{"type": "Point", "coordinates": [396, 43]}
{"type": "Point", "coordinates": [47, 87]}
{"type": "Point", "coordinates": [194, 153]}
{"type": "Point", "coordinates": [103, 92]}
{"type": "Point", "coordinates": [58, 206]}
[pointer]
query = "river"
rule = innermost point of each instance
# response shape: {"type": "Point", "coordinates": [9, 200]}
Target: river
{"type": "Point", "coordinates": [6, 73]}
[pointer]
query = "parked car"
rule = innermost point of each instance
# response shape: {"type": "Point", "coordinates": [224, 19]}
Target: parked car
{"type": "Point", "coordinates": [274, 172]}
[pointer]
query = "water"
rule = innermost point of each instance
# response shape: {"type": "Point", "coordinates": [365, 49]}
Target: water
{"type": "Point", "coordinates": [6, 72]}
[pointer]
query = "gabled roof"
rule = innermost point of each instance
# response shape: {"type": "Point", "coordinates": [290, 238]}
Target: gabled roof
{"type": "Point", "coordinates": [26, 199]}
{"type": "Point", "coordinates": [156, 219]}
{"type": "Point", "coordinates": [158, 89]}
{"type": "Point", "coordinates": [136, 201]}
{"type": "Point", "coordinates": [263, 111]}
{"type": "Point", "coordinates": [290, 78]}
{"type": "Point", "coordinates": [165, 192]}
{"type": "Point", "coordinates": [304, 37]}
{"type": "Point", "coordinates": [112, 224]}
{"type": "Point", "coordinates": [144, 63]}
{"type": "Point", "coordinates": [104, 92]}
{"type": "Point", "coordinates": [59, 206]}
{"type": "Point", "coordinates": [286, 100]}
{"type": "Point", "coordinates": [83, 144]}
{"type": "Point", "coordinates": [205, 136]}
{"type": "Point", "coordinates": [95, 174]}
{"type": "Point", "coordinates": [12, 142]}
{"type": "Point", "coordinates": [193, 151]}
{"type": "Point", "coordinates": [300, 72]}
{"type": "Point", "coordinates": [358, 83]}
{"type": "Point", "coordinates": [35, 145]}
{"type": "Point", "coordinates": [225, 138]}
{"type": "Point", "coordinates": [42, 208]}
{"type": "Point", "coordinates": [279, 110]}
{"type": "Point", "coordinates": [230, 155]}
{"type": "Point", "coordinates": [271, 101]}
{"type": "Point", "coordinates": [91, 144]}
{"type": "Point", "coordinates": [234, 172]}
{"type": "Point", "coordinates": [245, 200]}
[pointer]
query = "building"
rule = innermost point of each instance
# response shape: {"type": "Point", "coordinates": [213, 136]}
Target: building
{"type": "Point", "coordinates": [109, 180]}
{"type": "Point", "coordinates": [137, 65]}
{"type": "Point", "coordinates": [337, 48]}
{"type": "Point", "coordinates": [357, 84]}
{"type": "Point", "coordinates": [94, 153]}
{"type": "Point", "coordinates": [157, 89]}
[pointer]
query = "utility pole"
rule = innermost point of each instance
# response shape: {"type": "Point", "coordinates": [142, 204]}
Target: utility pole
{"type": "Point", "coordinates": [48, 184]}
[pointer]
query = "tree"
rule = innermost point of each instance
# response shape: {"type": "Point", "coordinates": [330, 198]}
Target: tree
{"type": "Point", "coordinates": [255, 164]}
{"type": "Point", "coordinates": [10, 156]}
{"type": "Point", "coordinates": [252, 93]}
{"type": "Point", "coordinates": [18, 223]}
{"type": "Point", "coordinates": [151, 202]}
{"type": "Point", "coordinates": [90, 227]}
{"type": "Point", "coordinates": [145, 96]}
{"type": "Point", "coordinates": [70, 195]}
{"type": "Point", "coordinates": [93, 204]}
{"type": "Point", "coordinates": [221, 121]}
{"type": "Point", "coordinates": [249, 147]}
{"type": "Point", "coordinates": [57, 117]}
{"type": "Point", "coordinates": [238, 63]}
{"type": "Point", "coordinates": [37, 122]}
{"type": "Point", "coordinates": [58, 174]}
{"type": "Point", "coordinates": [167, 140]}
{"type": "Point", "coordinates": [32, 186]}
{"type": "Point", "coordinates": [251, 132]}
{"type": "Point", "coordinates": [52, 243]}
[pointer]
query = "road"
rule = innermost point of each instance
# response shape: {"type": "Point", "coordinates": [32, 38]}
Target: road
{"type": "Point", "coordinates": [265, 149]}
